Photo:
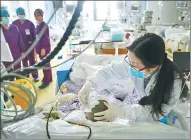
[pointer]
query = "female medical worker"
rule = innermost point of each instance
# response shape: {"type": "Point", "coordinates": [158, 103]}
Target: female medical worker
{"type": "Point", "coordinates": [27, 29]}
{"type": "Point", "coordinates": [13, 38]}
{"type": "Point", "coordinates": [43, 46]}
{"type": "Point", "coordinates": [158, 83]}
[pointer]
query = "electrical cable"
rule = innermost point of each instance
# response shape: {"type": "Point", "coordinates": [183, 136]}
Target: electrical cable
{"type": "Point", "coordinates": [90, 131]}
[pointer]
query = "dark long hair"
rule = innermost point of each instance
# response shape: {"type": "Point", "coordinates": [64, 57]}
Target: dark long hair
{"type": "Point", "coordinates": [150, 49]}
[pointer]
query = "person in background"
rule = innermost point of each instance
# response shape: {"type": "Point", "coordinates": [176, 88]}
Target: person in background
{"type": "Point", "coordinates": [27, 30]}
{"type": "Point", "coordinates": [43, 46]}
{"type": "Point", "coordinates": [13, 38]}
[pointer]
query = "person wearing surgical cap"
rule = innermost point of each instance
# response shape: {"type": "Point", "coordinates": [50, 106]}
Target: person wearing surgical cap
{"type": "Point", "coordinates": [28, 34]}
{"type": "Point", "coordinates": [13, 38]}
{"type": "Point", "coordinates": [43, 47]}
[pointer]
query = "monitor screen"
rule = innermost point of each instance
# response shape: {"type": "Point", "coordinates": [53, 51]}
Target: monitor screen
{"type": "Point", "coordinates": [182, 60]}
{"type": "Point", "coordinates": [135, 8]}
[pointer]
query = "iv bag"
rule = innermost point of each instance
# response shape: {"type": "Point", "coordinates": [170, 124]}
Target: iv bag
{"type": "Point", "coordinates": [5, 51]}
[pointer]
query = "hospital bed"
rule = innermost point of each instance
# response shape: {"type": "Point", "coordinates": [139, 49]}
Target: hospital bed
{"type": "Point", "coordinates": [35, 127]}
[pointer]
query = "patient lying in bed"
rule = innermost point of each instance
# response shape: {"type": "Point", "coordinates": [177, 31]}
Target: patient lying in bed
{"type": "Point", "coordinates": [70, 87]}
{"type": "Point", "coordinates": [67, 95]}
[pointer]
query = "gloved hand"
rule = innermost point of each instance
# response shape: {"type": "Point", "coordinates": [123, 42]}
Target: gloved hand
{"type": "Point", "coordinates": [85, 92]}
{"type": "Point", "coordinates": [113, 112]}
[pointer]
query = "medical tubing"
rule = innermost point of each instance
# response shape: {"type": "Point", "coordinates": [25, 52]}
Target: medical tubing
{"type": "Point", "coordinates": [47, 131]}
{"type": "Point", "coordinates": [33, 44]}
{"type": "Point", "coordinates": [90, 131]}
{"type": "Point", "coordinates": [11, 101]}
{"type": "Point", "coordinates": [20, 76]}
{"type": "Point", "coordinates": [21, 115]}
{"type": "Point", "coordinates": [84, 126]}
{"type": "Point", "coordinates": [32, 100]}
{"type": "Point", "coordinates": [21, 96]}
{"type": "Point", "coordinates": [61, 43]}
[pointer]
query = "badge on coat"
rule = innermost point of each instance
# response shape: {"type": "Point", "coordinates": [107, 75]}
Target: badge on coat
{"type": "Point", "coordinates": [27, 32]}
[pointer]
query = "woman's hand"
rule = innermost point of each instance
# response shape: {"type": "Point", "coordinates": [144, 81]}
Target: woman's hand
{"type": "Point", "coordinates": [106, 115]}
{"type": "Point", "coordinates": [85, 92]}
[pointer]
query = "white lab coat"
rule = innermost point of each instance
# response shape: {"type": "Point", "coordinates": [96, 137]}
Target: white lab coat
{"type": "Point", "coordinates": [120, 70]}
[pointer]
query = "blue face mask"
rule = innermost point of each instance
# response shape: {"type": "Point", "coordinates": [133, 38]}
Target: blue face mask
{"type": "Point", "coordinates": [21, 17]}
{"type": "Point", "coordinates": [5, 20]}
{"type": "Point", "coordinates": [38, 22]}
{"type": "Point", "coordinates": [138, 74]}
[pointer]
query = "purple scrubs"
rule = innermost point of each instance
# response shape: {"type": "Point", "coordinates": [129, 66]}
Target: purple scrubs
{"type": "Point", "coordinates": [44, 43]}
{"type": "Point", "coordinates": [27, 30]}
{"type": "Point", "coordinates": [15, 42]}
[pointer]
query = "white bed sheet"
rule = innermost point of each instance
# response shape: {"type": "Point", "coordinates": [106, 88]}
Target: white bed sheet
{"type": "Point", "coordinates": [35, 128]}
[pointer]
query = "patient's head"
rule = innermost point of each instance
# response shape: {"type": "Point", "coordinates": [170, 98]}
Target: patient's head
{"type": "Point", "coordinates": [98, 108]}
